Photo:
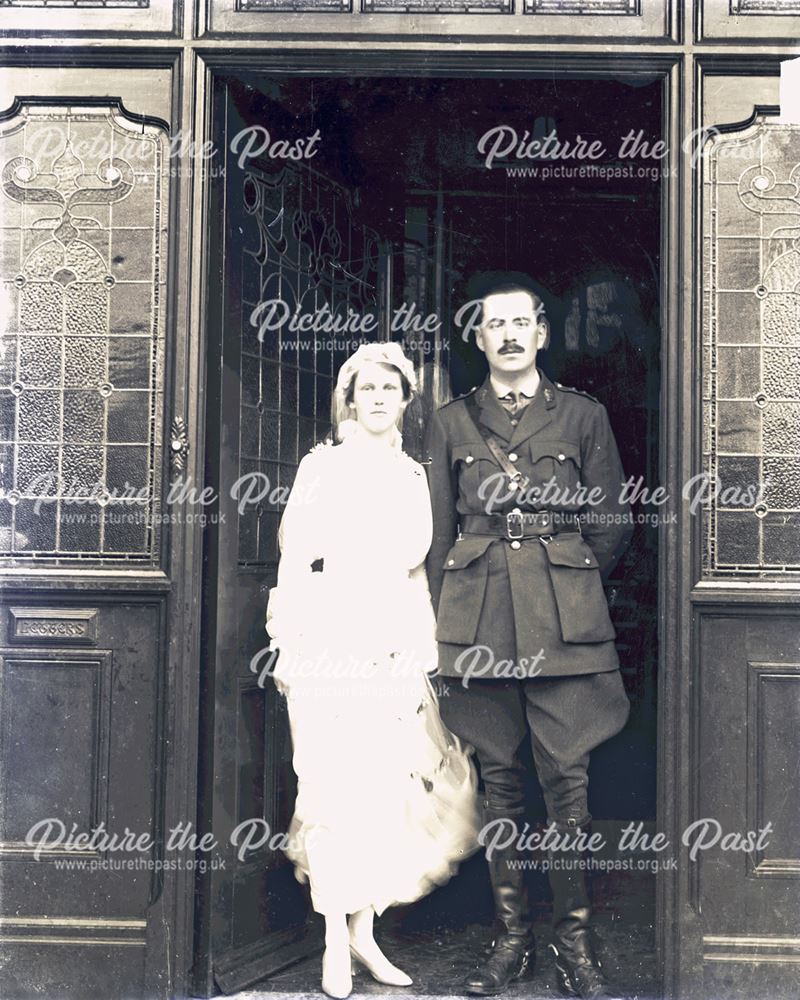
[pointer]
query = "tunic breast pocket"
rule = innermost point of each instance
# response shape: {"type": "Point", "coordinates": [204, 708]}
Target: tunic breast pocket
{"type": "Point", "coordinates": [476, 472]}
{"type": "Point", "coordinates": [559, 462]}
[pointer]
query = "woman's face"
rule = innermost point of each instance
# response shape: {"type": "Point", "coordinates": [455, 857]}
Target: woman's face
{"type": "Point", "coordinates": [377, 397]}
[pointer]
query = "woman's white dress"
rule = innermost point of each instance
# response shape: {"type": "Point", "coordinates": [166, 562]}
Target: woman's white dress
{"type": "Point", "coordinates": [386, 803]}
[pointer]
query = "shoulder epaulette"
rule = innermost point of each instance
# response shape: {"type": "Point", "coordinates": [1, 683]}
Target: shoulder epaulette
{"type": "Point", "coordinates": [463, 395]}
{"type": "Point", "coordinates": [578, 392]}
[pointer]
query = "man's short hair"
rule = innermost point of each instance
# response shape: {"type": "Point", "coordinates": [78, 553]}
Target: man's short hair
{"type": "Point", "coordinates": [486, 283]}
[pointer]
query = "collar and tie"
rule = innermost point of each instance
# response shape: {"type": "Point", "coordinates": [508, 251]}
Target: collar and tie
{"type": "Point", "coordinates": [514, 402]}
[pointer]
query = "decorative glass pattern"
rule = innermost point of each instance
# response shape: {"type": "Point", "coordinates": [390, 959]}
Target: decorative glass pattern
{"type": "Point", "coordinates": [318, 263]}
{"type": "Point", "coordinates": [82, 263]}
{"type": "Point", "coordinates": [632, 7]}
{"type": "Point", "coordinates": [295, 6]}
{"type": "Point", "coordinates": [438, 6]}
{"type": "Point", "coordinates": [75, 3]}
{"type": "Point", "coordinates": [765, 7]}
{"type": "Point", "coordinates": [751, 350]}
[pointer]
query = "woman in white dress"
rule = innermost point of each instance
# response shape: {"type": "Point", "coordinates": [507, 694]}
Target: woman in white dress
{"type": "Point", "coordinates": [386, 801]}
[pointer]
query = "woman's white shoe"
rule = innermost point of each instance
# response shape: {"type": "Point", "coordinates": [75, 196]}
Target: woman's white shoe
{"type": "Point", "coordinates": [337, 973]}
{"type": "Point", "coordinates": [379, 966]}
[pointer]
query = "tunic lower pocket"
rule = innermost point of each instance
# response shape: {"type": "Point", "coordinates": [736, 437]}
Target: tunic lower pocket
{"type": "Point", "coordinates": [463, 590]}
{"type": "Point", "coordinates": [580, 599]}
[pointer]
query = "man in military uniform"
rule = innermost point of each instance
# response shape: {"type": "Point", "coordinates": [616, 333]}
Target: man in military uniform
{"type": "Point", "coordinates": [525, 483]}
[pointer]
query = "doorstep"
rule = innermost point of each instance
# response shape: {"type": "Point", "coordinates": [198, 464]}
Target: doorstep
{"type": "Point", "coordinates": [440, 960]}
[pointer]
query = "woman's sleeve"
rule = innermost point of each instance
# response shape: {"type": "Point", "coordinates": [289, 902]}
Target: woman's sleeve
{"type": "Point", "coordinates": [422, 627]}
{"type": "Point", "coordinates": [299, 543]}
{"type": "Point", "coordinates": [420, 518]}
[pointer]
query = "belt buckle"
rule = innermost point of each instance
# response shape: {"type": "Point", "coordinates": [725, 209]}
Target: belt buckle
{"type": "Point", "coordinates": [515, 517]}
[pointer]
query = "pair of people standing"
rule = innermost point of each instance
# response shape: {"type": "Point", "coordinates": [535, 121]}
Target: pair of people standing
{"type": "Point", "coordinates": [386, 805]}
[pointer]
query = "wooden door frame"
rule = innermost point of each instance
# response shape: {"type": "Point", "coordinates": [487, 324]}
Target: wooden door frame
{"type": "Point", "coordinates": [168, 946]}
{"type": "Point", "coordinates": [191, 63]}
{"type": "Point", "coordinates": [674, 454]}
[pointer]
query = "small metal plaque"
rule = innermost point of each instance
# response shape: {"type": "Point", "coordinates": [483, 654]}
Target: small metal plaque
{"type": "Point", "coordinates": [65, 626]}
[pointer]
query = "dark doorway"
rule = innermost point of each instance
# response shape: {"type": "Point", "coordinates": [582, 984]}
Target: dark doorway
{"type": "Point", "coordinates": [395, 209]}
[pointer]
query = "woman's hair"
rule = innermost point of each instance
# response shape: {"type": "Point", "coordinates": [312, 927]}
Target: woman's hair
{"type": "Point", "coordinates": [350, 391]}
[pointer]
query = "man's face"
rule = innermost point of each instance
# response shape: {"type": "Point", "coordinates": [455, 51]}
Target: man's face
{"type": "Point", "coordinates": [510, 333]}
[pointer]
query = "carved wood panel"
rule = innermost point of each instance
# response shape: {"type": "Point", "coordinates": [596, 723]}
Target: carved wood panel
{"type": "Point", "coordinates": [746, 785]}
{"type": "Point", "coordinates": [54, 750]}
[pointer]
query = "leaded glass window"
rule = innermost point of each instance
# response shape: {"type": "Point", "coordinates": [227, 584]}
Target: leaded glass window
{"type": "Point", "coordinates": [751, 350]}
{"type": "Point", "coordinates": [82, 251]}
{"type": "Point", "coordinates": [765, 7]}
{"type": "Point", "coordinates": [311, 256]}
{"type": "Point", "coordinates": [309, 6]}
{"type": "Point", "coordinates": [438, 6]}
{"type": "Point", "coordinates": [74, 3]}
{"type": "Point", "coordinates": [582, 7]}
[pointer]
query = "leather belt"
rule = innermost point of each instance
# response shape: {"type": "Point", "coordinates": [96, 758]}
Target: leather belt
{"type": "Point", "coordinates": [517, 524]}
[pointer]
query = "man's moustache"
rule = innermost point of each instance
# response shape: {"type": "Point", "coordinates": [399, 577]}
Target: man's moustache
{"type": "Point", "coordinates": [511, 349]}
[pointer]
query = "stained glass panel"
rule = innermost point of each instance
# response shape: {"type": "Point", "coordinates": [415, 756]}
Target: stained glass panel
{"type": "Point", "coordinates": [74, 3]}
{"type": "Point", "coordinates": [294, 6]}
{"type": "Point", "coordinates": [631, 7]}
{"type": "Point", "coordinates": [751, 368]}
{"type": "Point", "coordinates": [765, 7]}
{"type": "Point", "coordinates": [438, 6]}
{"type": "Point", "coordinates": [81, 348]}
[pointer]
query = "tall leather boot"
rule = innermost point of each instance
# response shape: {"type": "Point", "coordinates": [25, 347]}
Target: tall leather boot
{"type": "Point", "coordinates": [579, 972]}
{"type": "Point", "coordinates": [512, 952]}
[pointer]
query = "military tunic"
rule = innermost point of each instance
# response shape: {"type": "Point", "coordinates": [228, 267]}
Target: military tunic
{"type": "Point", "coordinates": [536, 601]}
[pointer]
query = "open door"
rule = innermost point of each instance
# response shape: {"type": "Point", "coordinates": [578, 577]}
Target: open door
{"type": "Point", "coordinates": [279, 231]}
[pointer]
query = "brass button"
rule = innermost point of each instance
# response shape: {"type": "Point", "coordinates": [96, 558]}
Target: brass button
{"type": "Point", "coordinates": [514, 422]}
{"type": "Point", "coordinates": [588, 561]}
{"type": "Point", "coordinates": [452, 562]}
{"type": "Point", "coordinates": [469, 459]}
{"type": "Point", "coordinates": [513, 457]}
{"type": "Point", "coordinates": [561, 456]}
{"type": "Point", "coordinates": [515, 545]}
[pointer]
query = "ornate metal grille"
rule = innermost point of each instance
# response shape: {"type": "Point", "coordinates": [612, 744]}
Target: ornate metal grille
{"type": "Point", "coordinates": [314, 258]}
{"type": "Point", "coordinates": [751, 350]}
{"type": "Point", "coordinates": [84, 209]}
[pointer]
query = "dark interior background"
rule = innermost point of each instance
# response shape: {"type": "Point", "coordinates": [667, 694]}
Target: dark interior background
{"type": "Point", "coordinates": [405, 149]}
